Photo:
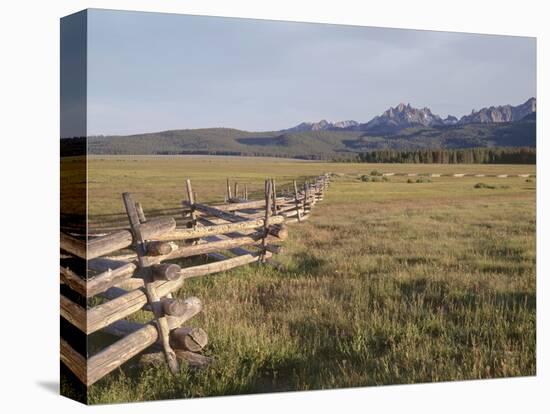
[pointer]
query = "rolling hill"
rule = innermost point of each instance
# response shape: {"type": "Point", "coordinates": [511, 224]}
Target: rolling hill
{"type": "Point", "coordinates": [402, 127]}
{"type": "Point", "coordinates": [316, 144]}
{"type": "Point", "coordinates": [224, 141]}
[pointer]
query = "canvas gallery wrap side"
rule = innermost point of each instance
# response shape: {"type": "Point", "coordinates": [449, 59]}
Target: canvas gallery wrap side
{"type": "Point", "coordinates": [253, 206]}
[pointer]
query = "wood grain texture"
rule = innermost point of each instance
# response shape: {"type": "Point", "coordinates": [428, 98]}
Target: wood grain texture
{"type": "Point", "coordinates": [109, 278]}
{"type": "Point", "coordinates": [74, 361]}
{"type": "Point", "coordinates": [132, 344]}
{"type": "Point", "coordinates": [116, 309]}
{"type": "Point", "coordinates": [199, 232]}
{"type": "Point", "coordinates": [158, 248]}
{"type": "Point", "coordinates": [71, 279]}
{"type": "Point", "coordinates": [73, 313]}
{"type": "Point", "coordinates": [73, 245]}
{"type": "Point", "coordinates": [188, 339]}
{"type": "Point", "coordinates": [153, 297]}
{"type": "Point", "coordinates": [214, 246]}
{"type": "Point", "coordinates": [103, 245]}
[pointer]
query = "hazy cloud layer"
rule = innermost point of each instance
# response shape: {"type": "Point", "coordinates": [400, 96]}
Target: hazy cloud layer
{"type": "Point", "coordinates": [150, 72]}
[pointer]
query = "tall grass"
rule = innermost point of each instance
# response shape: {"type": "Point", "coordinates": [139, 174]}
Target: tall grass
{"type": "Point", "coordinates": [385, 284]}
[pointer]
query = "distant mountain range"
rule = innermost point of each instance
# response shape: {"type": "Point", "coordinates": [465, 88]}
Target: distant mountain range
{"type": "Point", "coordinates": [506, 113]}
{"type": "Point", "coordinates": [401, 127]}
{"type": "Point", "coordinates": [322, 125]}
{"type": "Point", "coordinates": [405, 116]}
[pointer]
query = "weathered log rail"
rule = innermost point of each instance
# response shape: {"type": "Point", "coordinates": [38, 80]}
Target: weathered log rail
{"type": "Point", "coordinates": [141, 267]}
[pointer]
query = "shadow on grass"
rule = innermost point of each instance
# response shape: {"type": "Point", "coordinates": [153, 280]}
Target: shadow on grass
{"type": "Point", "coordinates": [416, 260]}
{"type": "Point", "coordinates": [511, 300]}
{"type": "Point", "coordinates": [438, 295]}
{"type": "Point", "coordinates": [306, 263]}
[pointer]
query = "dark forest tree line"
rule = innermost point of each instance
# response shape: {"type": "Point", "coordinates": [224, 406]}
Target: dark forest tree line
{"type": "Point", "coordinates": [524, 155]}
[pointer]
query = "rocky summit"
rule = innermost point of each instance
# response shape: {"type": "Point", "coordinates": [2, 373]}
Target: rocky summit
{"type": "Point", "coordinates": [504, 113]}
{"type": "Point", "coordinates": [322, 125]}
{"type": "Point", "coordinates": [450, 120]}
{"type": "Point", "coordinates": [404, 116]}
{"type": "Point", "coordinates": [400, 117]}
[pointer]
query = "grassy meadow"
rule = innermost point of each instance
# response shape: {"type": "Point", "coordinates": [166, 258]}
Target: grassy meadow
{"type": "Point", "coordinates": [387, 283]}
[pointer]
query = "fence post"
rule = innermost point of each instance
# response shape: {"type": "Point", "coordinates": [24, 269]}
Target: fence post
{"type": "Point", "coordinates": [297, 201]}
{"type": "Point", "coordinates": [305, 197]}
{"type": "Point", "coordinates": [150, 291]}
{"type": "Point", "coordinates": [268, 207]}
{"type": "Point", "coordinates": [191, 199]}
{"type": "Point", "coordinates": [140, 212]}
{"type": "Point", "coordinates": [228, 191]}
{"type": "Point", "coordinates": [274, 196]}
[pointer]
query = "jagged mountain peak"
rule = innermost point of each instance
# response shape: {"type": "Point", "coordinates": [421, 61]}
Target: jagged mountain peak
{"type": "Point", "coordinates": [402, 116]}
{"type": "Point", "coordinates": [401, 107]}
{"type": "Point", "coordinates": [502, 113]}
{"type": "Point", "coordinates": [322, 125]}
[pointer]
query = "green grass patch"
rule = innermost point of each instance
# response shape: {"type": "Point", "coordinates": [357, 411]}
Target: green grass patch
{"type": "Point", "coordinates": [373, 179]}
{"type": "Point", "coordinates": [385, 284]}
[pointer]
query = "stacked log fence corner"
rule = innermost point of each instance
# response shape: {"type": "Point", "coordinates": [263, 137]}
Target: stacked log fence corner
{"type": "Point", "coordinates": [139, 267]}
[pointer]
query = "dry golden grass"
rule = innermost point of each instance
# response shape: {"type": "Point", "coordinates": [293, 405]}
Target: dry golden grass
{"type": "Point", "coordinates": [387, 283]}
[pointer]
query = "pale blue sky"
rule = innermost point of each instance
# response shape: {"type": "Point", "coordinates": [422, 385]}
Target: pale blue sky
{"type": "Point", "coordinates": [152, 71]}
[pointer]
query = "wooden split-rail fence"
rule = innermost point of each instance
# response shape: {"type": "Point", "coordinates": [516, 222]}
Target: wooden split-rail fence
{"type": "Point", "coordinates": [106, 279]}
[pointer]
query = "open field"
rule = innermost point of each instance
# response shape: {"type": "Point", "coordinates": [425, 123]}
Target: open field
{"type": "Point", "coordinates": [388, 282]}
{"type": "Point", "coordinates": [158, 181]}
